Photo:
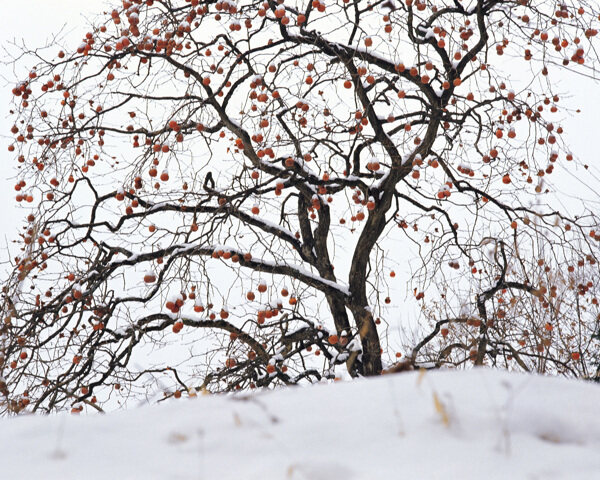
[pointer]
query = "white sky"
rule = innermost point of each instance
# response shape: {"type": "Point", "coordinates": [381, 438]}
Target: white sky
{"type": "Point", "coordinates": [33, 22]}
{"type": "Point", "coordinates": [36, 21]}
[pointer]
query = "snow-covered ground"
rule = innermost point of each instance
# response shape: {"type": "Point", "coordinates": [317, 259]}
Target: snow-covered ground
{"type": "Point", "coordinates": [478, 424]}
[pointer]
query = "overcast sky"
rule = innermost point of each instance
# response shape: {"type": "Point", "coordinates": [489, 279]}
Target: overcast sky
{"type": "Point", "coordinates": [33, 22]}
{"type": "Point", "coordinates": [36, 21]}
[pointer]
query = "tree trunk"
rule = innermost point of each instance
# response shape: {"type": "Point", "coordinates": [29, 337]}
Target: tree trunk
{"type": "Point", "coordinates": [370, 363]}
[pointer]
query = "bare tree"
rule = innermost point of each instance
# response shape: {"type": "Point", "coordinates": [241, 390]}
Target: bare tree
{"type": "Point", "coordinates": [218, 193]}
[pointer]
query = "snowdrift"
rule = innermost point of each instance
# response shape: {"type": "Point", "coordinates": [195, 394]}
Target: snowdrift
{"type": "Point", "coordinates": [435, 425]}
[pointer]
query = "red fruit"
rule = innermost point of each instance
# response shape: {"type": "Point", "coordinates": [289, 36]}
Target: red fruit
{"type": "Point", "coordinates": [230, 362]}
{"type": "Point", "coordinates": [177, 326]}
{"type": "Point", "coordinates": [149, 278]}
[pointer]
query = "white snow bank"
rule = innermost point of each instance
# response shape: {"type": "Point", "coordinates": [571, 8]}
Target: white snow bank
{"type": "Point", "coordinates": [439, 425]}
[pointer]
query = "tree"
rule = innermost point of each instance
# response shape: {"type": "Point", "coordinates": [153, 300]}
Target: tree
{"type": "Point", "coordinates": [230, 183]}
